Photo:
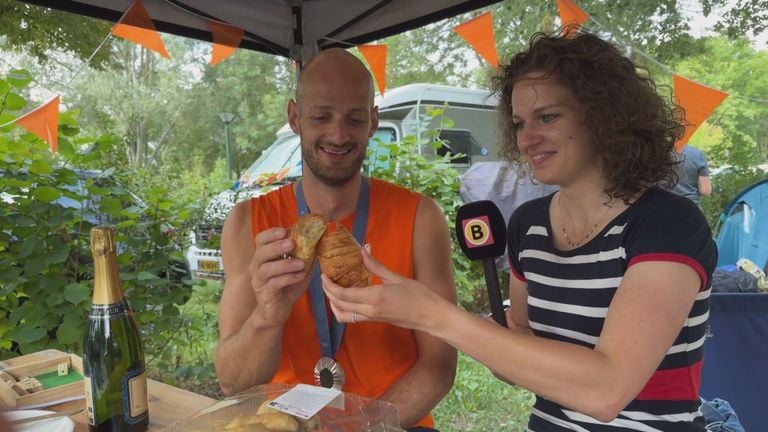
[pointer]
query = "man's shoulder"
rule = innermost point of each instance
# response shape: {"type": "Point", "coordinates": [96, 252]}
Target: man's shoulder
{"type": "Point", "coordinates": [695, 152]}
{"type": "Point", "coordinates": [389, 189]}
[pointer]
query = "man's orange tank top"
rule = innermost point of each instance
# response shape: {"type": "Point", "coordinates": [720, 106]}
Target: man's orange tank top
{"type": "Point", "coordinates": [373, 355]}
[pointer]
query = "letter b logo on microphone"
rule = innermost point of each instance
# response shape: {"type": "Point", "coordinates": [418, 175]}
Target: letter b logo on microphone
{"type": "Point", "coordinates": [477, 232]}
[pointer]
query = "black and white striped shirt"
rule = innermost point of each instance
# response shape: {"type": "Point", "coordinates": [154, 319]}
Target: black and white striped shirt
{"type": "Point", "coordinates": [569, 293]}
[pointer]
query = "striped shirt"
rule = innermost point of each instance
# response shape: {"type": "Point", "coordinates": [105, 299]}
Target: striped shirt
{"type": "Point", "coordinates": [569, 293]}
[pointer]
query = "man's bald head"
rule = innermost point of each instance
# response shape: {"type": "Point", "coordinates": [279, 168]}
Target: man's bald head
{"type": "Point", "coordinates": [334, 65]}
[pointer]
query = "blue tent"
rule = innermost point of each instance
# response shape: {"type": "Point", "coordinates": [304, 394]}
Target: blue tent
{"type": "Point", "coordinates": [736, 347]}
{"type": "Point", "coordinates": [744, 227]}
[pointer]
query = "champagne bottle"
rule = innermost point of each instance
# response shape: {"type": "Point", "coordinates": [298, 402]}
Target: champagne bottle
{"type": "Point", "coordinates": [113, 357]}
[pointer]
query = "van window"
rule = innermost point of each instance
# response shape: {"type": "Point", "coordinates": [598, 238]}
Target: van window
{"type": "Point", "coordinates": [382, 135]}
{"type": "Point", "coordinates": [457, 141]}
{"type": "Point", "coordinates": [281, 154]}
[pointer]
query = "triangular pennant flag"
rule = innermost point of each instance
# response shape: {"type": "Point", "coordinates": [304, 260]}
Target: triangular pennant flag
{"type": "Point", "coordinates": [43, 121]}
{"type": "Point", "coordinates": [136, 26]}
{"type": "Point", "coordinates": [571, 16]}
{"type": "Point", "coordinates": [226, 39]}
{"type": "Point", "coordinates": [698, 101]}
{"type": "Point", "coordinates": [376, 56]}
{"type": "Point", "coordinates": [478, 32]}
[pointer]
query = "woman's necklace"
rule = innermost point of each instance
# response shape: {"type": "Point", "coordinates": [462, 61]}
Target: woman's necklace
{"type": "Point", "coordinates": [576, 243]}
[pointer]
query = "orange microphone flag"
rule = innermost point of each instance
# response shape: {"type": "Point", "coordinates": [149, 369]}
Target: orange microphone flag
{"type": "Point", "coordinates": [226, 39]}
{"type": "Point", "coordinates": [43, 121]}
{"type": "Point", "coordinates": [698, 101]}
{"type": "Point", "coordinates": [478, 32]}
{"type": "Point", "coordinates": [136, 26]}
{"type": "Point", "coordinates": [376, 56]}
{"type": "Point", "coordinates": [570, 15]}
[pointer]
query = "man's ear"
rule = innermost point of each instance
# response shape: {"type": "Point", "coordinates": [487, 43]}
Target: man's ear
{"type": "Point", "coordinates": [293, 116]}
{"type": "Point", "coordinates": [374, 121]}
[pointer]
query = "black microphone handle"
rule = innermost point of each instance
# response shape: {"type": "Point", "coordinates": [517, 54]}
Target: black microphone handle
{"type": "Point", "coordinates": [494, 293]}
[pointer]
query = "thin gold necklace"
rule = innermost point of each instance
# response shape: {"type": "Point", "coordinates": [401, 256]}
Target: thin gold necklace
{"type": "Point", "coordinates": [568, 240]}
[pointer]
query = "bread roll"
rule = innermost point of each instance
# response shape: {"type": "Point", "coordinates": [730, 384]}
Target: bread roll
{"type": "Point", "coordinates": [339, 255]}
{"type": "Point", "coordinates": [267, 422]}
{"type": "Point", "coordinates": [305, 233]}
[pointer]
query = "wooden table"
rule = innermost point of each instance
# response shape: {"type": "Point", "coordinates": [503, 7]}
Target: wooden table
{"type": "Point", "coordinates": [167, 405]}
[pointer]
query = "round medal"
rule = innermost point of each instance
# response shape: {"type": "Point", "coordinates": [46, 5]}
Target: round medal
{"type": "Point", "coordinates": [329, 374]}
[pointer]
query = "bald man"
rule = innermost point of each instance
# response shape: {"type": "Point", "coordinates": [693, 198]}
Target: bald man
{"type": "Point", "coordinates": [274, 321]}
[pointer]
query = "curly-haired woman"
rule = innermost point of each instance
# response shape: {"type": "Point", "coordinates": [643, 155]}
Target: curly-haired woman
{"type": "Point", "coordinates": [611, 274]}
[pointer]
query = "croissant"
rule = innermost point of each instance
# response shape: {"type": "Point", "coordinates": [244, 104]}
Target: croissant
{"type": "Point", "coordinates": [306, 233]}
{"type": "Point", "coordinates": [339, 255]}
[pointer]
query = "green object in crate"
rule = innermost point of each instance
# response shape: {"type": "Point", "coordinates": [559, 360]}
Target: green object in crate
{"type": "Point", "coordinates": [53, 379]}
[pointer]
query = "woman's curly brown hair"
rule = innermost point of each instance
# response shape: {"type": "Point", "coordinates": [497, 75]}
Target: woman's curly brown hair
{"type": "Point", "coordinates": [633, 127]}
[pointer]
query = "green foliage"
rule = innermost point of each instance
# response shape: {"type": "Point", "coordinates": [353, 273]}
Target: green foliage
{"type": "Point", "coordinates": [406, 163]}
{"type": "Point", "coordinates": [725, 186]}
{"type": "Point", "coordinates": [49, 205]}
{"type": "Point", "coordinates": [736, 68]}
{"type": "Point", "coordinates": [741, 16]}
{"type": "Point", "coordinates": [42, 31]}
{"type": "Point", "coordinates": [185, 356]}
{"type": "Point", "coordinates": [479, 401]}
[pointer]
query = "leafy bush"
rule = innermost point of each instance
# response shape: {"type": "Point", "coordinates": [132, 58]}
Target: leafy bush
{"type": "Point", "coordinates": [406, 165]}
{"type": "Point", "coordinates": [186, 357]}
{"type": "Point", "coordinates": [45, 259]}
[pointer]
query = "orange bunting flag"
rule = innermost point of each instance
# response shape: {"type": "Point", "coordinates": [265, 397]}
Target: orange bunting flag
{"type": "Point", "coordinates": [43, 121]}
{"type": "Point", "coordinates": [478, 32]}
{"type": "Point", "coordinates": [136, 26]}
{"type": "Point", "coordinates": [226, 39]}
{"type": "Point", "coordinates": [698, 101]}
{"type": "Point", "coordinates": [376, 56]}
{"type": "Point", "coordinates": [570, 15]}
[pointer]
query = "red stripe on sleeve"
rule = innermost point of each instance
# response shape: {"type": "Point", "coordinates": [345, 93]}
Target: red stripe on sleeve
{"type": "Point", "coordinates": [670, 257]}
{"type": "Point", "coordinates": [517, 275]}
{"type": "Point", "coordinates": [673, 384]}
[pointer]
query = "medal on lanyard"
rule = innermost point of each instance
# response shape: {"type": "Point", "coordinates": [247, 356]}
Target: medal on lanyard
{"type": "Point", "coordinates": [328, 373]}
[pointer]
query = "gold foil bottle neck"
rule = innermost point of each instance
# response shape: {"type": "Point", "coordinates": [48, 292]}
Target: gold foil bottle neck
{"type": "Point", "coordinates": [102, 240]}
{"type": "Point", "coordinates": [106, 280]}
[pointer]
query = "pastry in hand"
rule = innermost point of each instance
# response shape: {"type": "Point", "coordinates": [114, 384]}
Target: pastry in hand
{"type": "Point", "coordinates": [306, 233]}
{"type": "Point", "coordinates": [340, 260]}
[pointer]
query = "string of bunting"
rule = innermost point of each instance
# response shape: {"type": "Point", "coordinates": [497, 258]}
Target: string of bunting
{"type": "Point", "coordinates": [135, 25]}
{"type": "Point", "coordinates": [698, 100]}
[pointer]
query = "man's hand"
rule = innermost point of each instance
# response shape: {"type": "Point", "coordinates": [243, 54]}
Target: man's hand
{"type": "Point", "coordinates": [277, 281]}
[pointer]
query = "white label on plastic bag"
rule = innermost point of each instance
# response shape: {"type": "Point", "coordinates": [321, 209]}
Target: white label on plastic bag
{"type": "Point", "coordinates": [304, 400]}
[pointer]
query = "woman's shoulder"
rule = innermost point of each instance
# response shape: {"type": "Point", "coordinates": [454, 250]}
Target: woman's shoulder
{"type": "Point", "coordinates": [535, 205]}
{"type": "Point", "coordinates": [660, 202]}
{"type": "Point", "coordinates": [665, 212]}
{"type": "Point", "coordinates": [531, 212]}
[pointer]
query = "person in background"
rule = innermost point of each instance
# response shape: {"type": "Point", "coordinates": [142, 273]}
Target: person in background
{"type": "Point", "coordinates": [269, 331]}
{"type": "Point", "coordinates": [694, 178]}
{"type": "Point", "coordinates": [610, 275]}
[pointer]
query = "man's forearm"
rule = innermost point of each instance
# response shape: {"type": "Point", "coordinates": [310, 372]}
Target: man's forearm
{"type": "Point", "coordinates": [249, 357]}
{"type": "Point", "coordinates": [417, 392]}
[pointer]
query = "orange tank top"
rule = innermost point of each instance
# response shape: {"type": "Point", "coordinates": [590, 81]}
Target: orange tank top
{"type": "Point", "coordinates": [373, 355]}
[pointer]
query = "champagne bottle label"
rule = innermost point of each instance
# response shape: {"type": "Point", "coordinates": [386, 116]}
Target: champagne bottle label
{"type": "Point", "coordinates": [109, 311]}
{"type": "Point", "coordinates": [135, 404]}
{"type": "Point", "coordinates": [89, 401]}
{"type": "Point", "coordinates": [137, 393]}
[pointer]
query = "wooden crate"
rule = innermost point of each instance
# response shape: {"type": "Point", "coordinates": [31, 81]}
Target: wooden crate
{"type": "Point", "coordinates": [13, 370]}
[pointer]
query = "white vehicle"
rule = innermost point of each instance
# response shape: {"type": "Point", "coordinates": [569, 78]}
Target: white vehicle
{"type": "Point", "coordinates": [402, 110]}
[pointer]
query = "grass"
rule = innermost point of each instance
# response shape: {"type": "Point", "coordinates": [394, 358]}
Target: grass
{"type": "Point", "coordinates": [481, 402]}
{"type": "Point", "coordinates": [477, 402]}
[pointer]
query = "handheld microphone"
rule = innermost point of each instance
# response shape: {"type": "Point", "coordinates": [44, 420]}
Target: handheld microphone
{"type": "Point", "coordinates": [482, 235]}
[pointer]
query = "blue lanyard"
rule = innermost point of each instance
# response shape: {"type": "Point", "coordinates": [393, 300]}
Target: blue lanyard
{"type": "Point", "coordinates": [330, 342]}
